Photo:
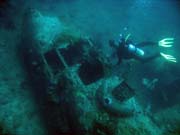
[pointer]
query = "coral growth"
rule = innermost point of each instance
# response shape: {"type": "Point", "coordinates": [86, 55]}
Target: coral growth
{"type": "Point", "coordinates": [67, 36]}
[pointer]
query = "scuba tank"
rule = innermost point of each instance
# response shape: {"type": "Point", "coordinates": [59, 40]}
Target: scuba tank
{"type": "Point", "coordinates": [136, 51]}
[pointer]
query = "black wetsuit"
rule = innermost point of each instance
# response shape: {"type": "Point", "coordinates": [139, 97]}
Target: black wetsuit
{"type": "Point", "coordinates": [151, 47]}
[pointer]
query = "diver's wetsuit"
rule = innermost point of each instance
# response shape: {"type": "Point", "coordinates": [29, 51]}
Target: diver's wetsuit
{"type": "Point", "coordinates": [144, 51]}
{"type": "Point", "coordinates": [153, 47]}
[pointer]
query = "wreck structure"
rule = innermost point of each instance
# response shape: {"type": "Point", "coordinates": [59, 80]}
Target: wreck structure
{"type": "Point", "coordinates": [81, 95]}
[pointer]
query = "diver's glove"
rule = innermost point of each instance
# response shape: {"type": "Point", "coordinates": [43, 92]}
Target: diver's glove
{"type": "Point", "coordinates": [166, 42]}
{"type": "Point", "coordinates": [168, 57]}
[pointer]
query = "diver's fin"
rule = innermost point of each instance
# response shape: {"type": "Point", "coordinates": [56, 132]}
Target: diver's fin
{"type": "Point", "coordinates": [168, 57]}
{"type": "Point", "coordinates": [166, 42]}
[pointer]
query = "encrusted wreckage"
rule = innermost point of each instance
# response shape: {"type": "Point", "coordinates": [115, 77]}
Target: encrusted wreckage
{"type": "Point", "coordinates": [74, 77]}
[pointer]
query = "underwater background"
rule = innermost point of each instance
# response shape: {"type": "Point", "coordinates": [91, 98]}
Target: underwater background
{"type": "Point", "coordinates": [49, 89]}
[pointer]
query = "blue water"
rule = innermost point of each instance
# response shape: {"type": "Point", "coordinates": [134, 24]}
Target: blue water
{"type": "Point", "coordinates": [104, 20]}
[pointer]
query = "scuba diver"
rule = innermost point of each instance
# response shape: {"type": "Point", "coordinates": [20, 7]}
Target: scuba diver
{"type": "Point", "coordinates": [144, 51]}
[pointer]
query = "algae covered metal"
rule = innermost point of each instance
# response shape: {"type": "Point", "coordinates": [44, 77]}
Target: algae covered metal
{"type": "Point", "coordinates": [74, 76]}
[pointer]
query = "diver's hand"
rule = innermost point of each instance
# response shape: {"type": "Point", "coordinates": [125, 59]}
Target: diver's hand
{"type": "Point", "coordinates": [168, 57]}
{"type": "Point", "coordinates": [166, 42]}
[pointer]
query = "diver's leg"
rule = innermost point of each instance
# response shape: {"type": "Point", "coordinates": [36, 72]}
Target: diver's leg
{"type": "Point", "coordinates": [149, 58]}
{"type": "Point", "coordinates": [148, 43]}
